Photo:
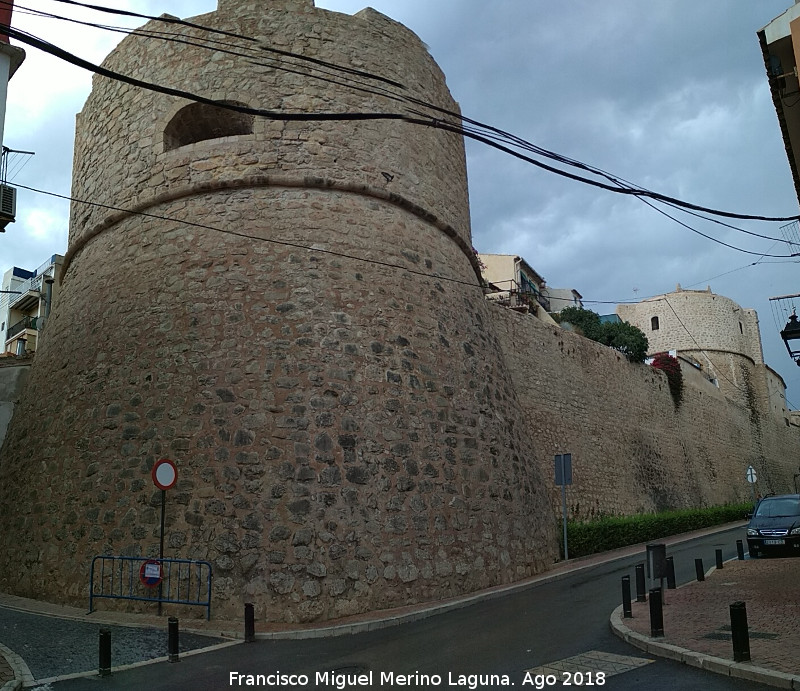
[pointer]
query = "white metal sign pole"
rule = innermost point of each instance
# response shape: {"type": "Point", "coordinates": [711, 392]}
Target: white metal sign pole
{"type": "Point", "coordinates": [751, 478]}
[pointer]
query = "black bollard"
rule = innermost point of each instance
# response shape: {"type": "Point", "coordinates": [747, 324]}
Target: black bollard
{"type": "Point", "coordinates": [641, 595]}
{"type": "Point", "coordinates": [670, 573]}
{"type": "Point", "coordinates": [698, 567]}
{"type": "Point", "coordinates": [740, 550]}
{"type": "Point", "coordinates": [718, 554]}
{"type": "Point", "coordinates": [740, 635]}
{"type": "Point", "coordinates": [249, 623]}
{"type": "Point", "coordinates": [656, 614]}
{"type": "Point", "coordinates": [626, 597]}
{"type": "Point", "coordinates": [105, 653]}
{"type": "Point", "coordinates": [172, 642]}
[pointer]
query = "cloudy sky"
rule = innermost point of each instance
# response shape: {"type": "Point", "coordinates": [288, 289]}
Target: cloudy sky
{"type": "Point", "coordinates": [669, 95]}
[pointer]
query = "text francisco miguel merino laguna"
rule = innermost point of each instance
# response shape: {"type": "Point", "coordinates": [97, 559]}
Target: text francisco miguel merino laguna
{"type": "Point", "coordinates": [343, 681]}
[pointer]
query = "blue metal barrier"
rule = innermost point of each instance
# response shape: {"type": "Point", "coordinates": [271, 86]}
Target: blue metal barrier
{"type": "Point", "coordinates": [173, 581]}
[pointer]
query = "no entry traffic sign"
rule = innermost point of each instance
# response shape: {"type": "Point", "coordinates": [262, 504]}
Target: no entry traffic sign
{"type": "Point", "coordinates": [164, 473]}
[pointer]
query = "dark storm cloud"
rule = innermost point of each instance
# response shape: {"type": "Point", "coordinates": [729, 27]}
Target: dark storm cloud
{"type": "Point", "coordinates": [672, 96]}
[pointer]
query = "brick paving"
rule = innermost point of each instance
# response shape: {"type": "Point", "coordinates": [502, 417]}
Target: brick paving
{"type": "Point", "coordinates": [6, 672]}
{"type": "Point", "coordinates": [697, 616]}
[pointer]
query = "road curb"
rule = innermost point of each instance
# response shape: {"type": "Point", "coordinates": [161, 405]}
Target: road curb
{"type": "Point", "coordinates": [739, 670]}
{"type": "Point", "coordinates": [21, 672]}
{"type": "Point", "coordinates": [563, 570]}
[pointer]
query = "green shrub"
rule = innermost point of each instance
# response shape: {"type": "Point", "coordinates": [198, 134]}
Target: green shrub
{"type": "Point", "coordinates": [612, 532]}
{"type": "Point", "coordinates": [622, 336]}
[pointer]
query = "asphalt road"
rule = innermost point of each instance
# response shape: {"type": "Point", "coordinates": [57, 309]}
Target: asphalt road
{"type": "Point", "coordinates": [507, 636]}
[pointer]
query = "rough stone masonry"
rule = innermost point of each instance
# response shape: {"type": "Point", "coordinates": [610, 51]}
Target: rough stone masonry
{"type": "Point", "coordinates": [290, 311]}
{"type": "Point", "coordinates": [295, 320]}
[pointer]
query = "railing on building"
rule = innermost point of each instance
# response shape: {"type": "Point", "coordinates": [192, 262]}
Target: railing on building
{"type": "Point", "coordinates": [518, 297]}
{"type": "Point", "coordinates": [182, 581]}
{"type": "Point", "coordinates": [31, 285]}
{"type": "Point", "coordinates": [34, 323]}
{"type": "Point", "coordinates": [34, 283]}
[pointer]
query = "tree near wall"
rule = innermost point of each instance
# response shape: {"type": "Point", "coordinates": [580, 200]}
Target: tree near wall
{"type": "Point", "coordinates": [622, 336]}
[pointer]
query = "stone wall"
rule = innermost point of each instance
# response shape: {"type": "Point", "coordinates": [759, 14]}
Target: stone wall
{"type": "Point", "coordinates": [297, 322]}
{"type": "Point", "coordinates": [722, 337]}
{"type": "Point", "coordinates": [294, 317]}
{"type": "Point", "coordinates": [13, 375]}
{"type": "Point", "coordinates": [696, 320]}
{"type": "Point", "coordinates": [633, 450]}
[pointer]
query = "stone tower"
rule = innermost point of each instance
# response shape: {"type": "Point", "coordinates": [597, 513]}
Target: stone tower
{"type": "Point", "coordinates": [290, 312]}
{"type": "Point", "coordinates": [722, 337]}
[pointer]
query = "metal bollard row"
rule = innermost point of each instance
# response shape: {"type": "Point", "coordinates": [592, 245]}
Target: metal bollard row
{"type": "Point", "coordinates": [172, 640]}
{"type": "Point", "coordinates": [249, 623]}
{"type": "Point", "coordinates": [640, 591]}
{"type": "Point", "coordinates": [627, 611]}
{"type": "Point", "coordinates": [104, 667]}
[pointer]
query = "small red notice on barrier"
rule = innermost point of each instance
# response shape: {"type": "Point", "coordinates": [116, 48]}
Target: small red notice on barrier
{"type": "Point", "coordinates": [150, 573]}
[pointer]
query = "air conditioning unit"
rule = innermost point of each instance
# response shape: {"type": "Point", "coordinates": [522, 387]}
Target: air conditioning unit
{"type": "Point", "coordinates": [8, 205]}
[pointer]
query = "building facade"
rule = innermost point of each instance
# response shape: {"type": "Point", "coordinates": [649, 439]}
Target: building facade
{"type": "Point", "coordinates": [780, 44]}
{"type": "Point", "coordinates": [561, 298]}
{"type": "Point", "coordinates": [514, 283]}
{"type": "Point", "coordinates": [25, 303]}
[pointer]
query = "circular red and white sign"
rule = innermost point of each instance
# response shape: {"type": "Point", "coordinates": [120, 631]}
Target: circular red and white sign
{"type": "Point", "coordinates": [150, 573]}
{"type": "Point", "coordinates": [164, 473]}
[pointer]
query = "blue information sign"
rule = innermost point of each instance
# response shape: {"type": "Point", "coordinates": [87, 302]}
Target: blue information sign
{"type": "Point", "coordinates": [564, 469]}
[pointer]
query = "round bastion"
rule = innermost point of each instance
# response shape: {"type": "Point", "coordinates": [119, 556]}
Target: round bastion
{"type": "Point", "coordinates": [288, 310]}
{"type": "Point", "coordinates": [719, 335]}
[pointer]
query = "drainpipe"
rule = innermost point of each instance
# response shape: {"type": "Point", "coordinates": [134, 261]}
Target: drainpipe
{"type": "Point", "coordinates": [48, 296]}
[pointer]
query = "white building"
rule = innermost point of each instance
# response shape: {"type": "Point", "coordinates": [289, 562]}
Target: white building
{"type": "Point", "coordinates": [25, 302]}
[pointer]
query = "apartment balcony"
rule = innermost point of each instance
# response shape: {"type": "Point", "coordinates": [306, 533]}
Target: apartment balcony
{"type": "Point", "coordinates": [30, 293]}
{"type": "Point", "coordinates": [33, 323]}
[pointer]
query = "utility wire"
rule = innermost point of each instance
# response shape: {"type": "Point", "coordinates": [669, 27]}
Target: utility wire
{"type": "Point", "coordinates": [284, 243]}
{"type": "Point", "coordinates": [167, 19]}
{"type": "Point", "coordinates": [420, 119]}
{"type": "Point", "coordinates": [62, 54]}
{"type": "Point", "coordinates": [319, 250]}
{"type": "Point", "coordinates": [251, 53]}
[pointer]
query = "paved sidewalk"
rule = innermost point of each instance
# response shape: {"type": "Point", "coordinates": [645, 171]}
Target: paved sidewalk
{"type": "Point", "coordinates": [44, 618]}
{"type": "Point", "coordinates": [697, 625]}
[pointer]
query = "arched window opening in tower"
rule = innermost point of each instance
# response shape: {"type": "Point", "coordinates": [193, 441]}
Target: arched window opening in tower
{"type": "Point", "coordinates": [198, 122]}
{"type": "Point", "coordinates": [654, 324]}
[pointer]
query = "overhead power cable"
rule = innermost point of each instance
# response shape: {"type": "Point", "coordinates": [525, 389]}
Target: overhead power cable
{"type": "Point", "coordinates": [425, 120]}
{"type": "Point", "coordinates": [512, 138]}
{"type": "Point", "coordinates": [255, 54]}
{"type": "Point", "coordinates": [640, 192]}
{"type": "Point", "coordinates": [226, 231]}
{"type": "Point", "coordinates": [167, 19]}
{"type": "Point", "coordinates": [62, 54]}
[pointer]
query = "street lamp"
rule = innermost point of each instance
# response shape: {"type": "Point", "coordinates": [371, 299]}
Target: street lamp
{"type": "Point", "coordinates": [791, 332]}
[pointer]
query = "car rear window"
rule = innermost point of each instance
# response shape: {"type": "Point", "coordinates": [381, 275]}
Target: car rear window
{"type": "Point", "coordinates": [771, 508]}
